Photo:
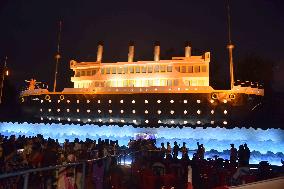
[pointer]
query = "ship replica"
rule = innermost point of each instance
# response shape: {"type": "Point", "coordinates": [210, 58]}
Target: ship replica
{"type": "Point", "coordinates": [154, 93]}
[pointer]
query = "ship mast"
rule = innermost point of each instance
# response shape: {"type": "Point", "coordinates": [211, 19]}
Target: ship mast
{"type": "Point", "coordinates": [230, 46]}
{"type": "Point", "coordinates": [57, 56]}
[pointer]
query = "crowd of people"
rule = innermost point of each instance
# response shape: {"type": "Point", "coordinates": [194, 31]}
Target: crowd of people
{"type": "Point", "coordinates": [23, 152]}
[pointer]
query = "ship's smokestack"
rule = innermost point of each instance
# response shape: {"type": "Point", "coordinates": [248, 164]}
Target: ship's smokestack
{"type": "Point", "coordinates": [187, 50]}
{"type": "Point", "coordinates": [100, 52]}
{"type": "Point", "coordinates": [157, 51]}
{"type": "Point", "coordinates": [131, 51]}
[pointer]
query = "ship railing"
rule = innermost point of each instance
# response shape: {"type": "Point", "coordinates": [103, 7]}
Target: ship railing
{"type": "Point", "coordinates": [23, 179]}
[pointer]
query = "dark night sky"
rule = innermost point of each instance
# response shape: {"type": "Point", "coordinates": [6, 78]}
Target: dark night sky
{"type": "Point", "coordinates": [29, 31]}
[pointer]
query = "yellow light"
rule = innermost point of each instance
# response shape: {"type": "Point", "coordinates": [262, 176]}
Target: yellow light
{"type": "Point", "coordinates": [7, 72]}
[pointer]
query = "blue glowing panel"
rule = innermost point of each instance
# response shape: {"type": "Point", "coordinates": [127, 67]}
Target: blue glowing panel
{"type": "Point", "coordinates": [265, 145]}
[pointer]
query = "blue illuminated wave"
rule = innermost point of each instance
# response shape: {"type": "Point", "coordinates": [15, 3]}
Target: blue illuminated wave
{"type": "Point", "coordinates": [265, 145]}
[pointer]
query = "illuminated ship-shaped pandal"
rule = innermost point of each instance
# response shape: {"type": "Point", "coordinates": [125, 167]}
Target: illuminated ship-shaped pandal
{"type": "Point", "coordinates": [172, 92]}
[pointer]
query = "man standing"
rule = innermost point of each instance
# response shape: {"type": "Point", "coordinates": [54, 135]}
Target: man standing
{"type": "Point", "coordinates": [233, 154]}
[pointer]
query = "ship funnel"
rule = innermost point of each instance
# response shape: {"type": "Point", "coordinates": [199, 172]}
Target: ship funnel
{"type": "Point", "coordinates": [187, 50]}
{"type": "Point", "coordinates": [100, 52]}
{"type": "Point", "coordinates": [157, 51]}
{"type": "Point", "coordinates": [131, 51]}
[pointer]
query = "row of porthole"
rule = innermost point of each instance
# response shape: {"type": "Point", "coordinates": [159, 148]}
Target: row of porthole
{"type": "Point", "coordinates": [135, 121]}
{"type": "Point", "coordinates": [134, 111]}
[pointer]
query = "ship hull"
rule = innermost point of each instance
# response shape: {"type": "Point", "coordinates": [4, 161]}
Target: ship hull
{"type": "Point", "coordinates": [142, 109]}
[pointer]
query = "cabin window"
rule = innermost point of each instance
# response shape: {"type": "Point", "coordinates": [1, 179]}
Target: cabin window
{"type": "Point", "coordinates": [126, 70]}
{"type": "Point", "coordinates": [113, 70]}
{"type": "Point", "coordinates": [200, 82]}
{"type": "Point", "coordinates": [119, 70]}
{"type": "Point", "coordinates": [203, 68]}
{"type": "Point", "coordinates": [83, 73]}
{"type": "Point", "coordinates": [143, 69]}
{"type": "Point", "coordinates": [177, 68]}
{"type": "Point", "coordinates": [88, 73]}
{"type": "Point", "coordinates": [103, 71]}
{"type": "Point", "coordinates": [131, 83]}
{"type": "Point", "coordinates": [156, 82]}
{"type": "Point", "coordinates": [150, 82]}
{"type": "Point", "coordinates": [196, 69]}
{"type": "Point", "coordinates": [77, 73]}
{"type": "Point", "coordinates": [137, 69]}
{"type": "Point", "coordinates": [163, 68]}
{"type": "Point", "coordinates": [97, 84]}
{"type": "Point", "coordinates": [150, 69]}
{"type": "Point", "coordinates": [144, 83]}
{"type": "Point", "coordinates": [108, 83]}
{"type": "Point", "coordinates": [108, 70]}
{"type": "Point", "coordinates": [94, 72]}
{"type": "Point", "coordinates": [169, 83]}
{"type": "Point", "coordinates": [187, 82]}
{"type": "Point", "coordinates": [163, 82]}
{"type": "Point", "coordinates": [131, 69]}
{"type": "Point", "coordinates": [190, 69]}
{"type": "Point", "coordinates": [176, 82]}
{"type": "Point", "coordinates": [125, 83]}
{"type": "Point", "coordinates": [183, 69]}
{"type": "Point", "coordinates": [169, 68]}
{"type": "Point", "coordinates": [156, 68]}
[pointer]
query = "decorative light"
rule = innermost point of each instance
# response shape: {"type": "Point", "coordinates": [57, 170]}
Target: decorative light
{"type": "Point", "coordinates": [172, 101]}
{"type": "Point", "coordinates": [99, 111]}
{"type": "Point", "coordinates": [78, 110]}
{"type": "Point", "coordinates": [40, 110]}
{"type": "Point", "coordinates": [89, 120]}
{"type": "Point", "coordinates": [111, 120]}
{"type": "Point", "coordinates": [159, 111]}
{"type": "Point", "coordinates": [225, 122]}
{"type": "Point", "coordinates": [172, 121]}
{"type": "Point", "coordinates": [78, 101]}
{"type": "Point", "coordinates": [185, 122]}
{"type": "Point", "coordinates": [121, 101]}
{"type": "Point", "coordinates": [109, 101]}
{"type": "Point", "coordinates": [212, 111]}
{"type": "Point", "coordinates": [68, 101]}
{"type": "Point", "coordinates": [78, 119]}
{"type": "Point", "coordinates": [146, 121]}
{"type": "Point", "coordinates": [58, 119]}
{"type": "Point", "coordinates": [41, 118]}
{"type": "Point", "coordinates": [172, 112]}
{"type": "Point", "coordinates": [212, 122]}
{"type": "Point", "coordinates": [41, 101]}
{"type": "Point", "coordinates": [134, 121]}
{"type": "Point", "coordinates": [146, 101]}
{"type": "Point", "coordinates": [146, 111]}
{"type": "Point", "coordinates": [198, 122]}
{"type": "Point", "coordinates": [110, 111]}
{"type": "Point", "coordinates": [49, 118]}
{"type": "Point", "coordinates": [67, 110]}
{"type": "Point", "coordinates": [156, 89]}
{"type": "Point", "coordinates": [49, 101]}
{"type": "Point", "coordinates": [99, 101]}
{"type": "Point", "coordinates": [198, 101]}
{"type": "Point", "coordinates": [88, 111]}
{"type": "Point", "coordinates": [58, 101]}
{"type": "Point", "coordinates": [185, 111]}
{"type": "Point", "coordinates": [185, 101]}
{"type": "Point", "coordinates": [68, 119]}
{"type": "Point", "coordinates": [225, 101]}
{"type": "Point", "coordinates": [159, 121]}
{"type": "Point", "coordinates": [198, 112]}
{"type": "Point", "coordinates": [225, 112]}
{"type": "Point", "coordinates": [100, 120]}
{"type": "Point", "coordinates": [178, 89]}
{"type": "Point", "coordinates": [88, 101]}
{"type": "Point", "coordinates": [133, 101]}
{"type": "Point", "coordinates": [49, 110]}
{"type": "Point", "coordinates": [212, 101]}
{"type": "Point", "coordinates": [133, 111]}
{"type": "Point", "coordinates": [159, 101]}
{"type": "Point", "coordinates": [121, 111]}
{"type": "Point", "coordinates": [58, 110]}
{"type": "Point", "coordinates": [122, 121]}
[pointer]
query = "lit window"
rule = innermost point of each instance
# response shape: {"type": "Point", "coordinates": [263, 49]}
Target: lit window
{"type": "Point", "coordinates": [68, 101]}
{"type": "Point", "coordinates": [78, 120]}
{"type": "Point", "coordinates": [225, 111]}
{"type": "Point", "coordinates": [172, 121]}
{"type": "Point", "coordinates": [89, 120]}
{"type": "Point", "coordinates": [122, 121]}
{"type": "Point", "coordinates": [159, 121]}
{"type": "Point", "coordinates": [99, 111]}
{"type": "Point", "coordinates": [198, 101]}
{"type": "Point", "coordinates": [185, 122]}
{"type": "Point", "coordinates": [58, 110]}
{"type": "Point", "coordinates": [225, 122]}
{"type": "Point", "coordinates": [225, 101]}
{"type": "Point", "coordinates": [78, 110]}
{"type": "Point", "coordinates": [212, 101]}
{"type": "Point", "coordinates": [185, 111]}
{"type": "Point", "coordinates": [41, 101]}
{"type": "Point", "coordinates": [146, 101]}
{"type": "Point", "coordinates": [133, 111]}
{"type": "Point", "coordinates": [111, 120]}
{"type": "Point", "coordinates": [49, 110]}
{"type": "Point", "coordinates": [212, 122]}
{"type": "Point", "coordinates": [159, 101]}
{"type": "Point", "coordinates": [100, 120]}
{"type": "Point", "coordinates": [172, 112]}
{"type": "Point", "coordinates": [212, 111]}
{"type": "Point", "coordinates": [67, 110]}
{"type": "Point", "coordinates": [41, 118]}
{"type": "Point", "coordinates": [58, 101]}
{"type": "Point", "coordinates": [109, 101]}
{"type": "Point", "coordinates": [159, 111]}
{"type": "Point", "coordinates": [110, 111]}
{"type": "Point", "coordinates": [121, 111]}
{"type": "Point", "coordinates": [146, 111]}
{"type": "Point", "coordinates": [146, 121]}
{"type": "Point", "coordinates": [134, 121]}
{"type": "Point", "coordinates": [121, 101]}
{"type": "Point", "coordinates": [88, 111]}
{"type": "Point", "coordinates": [185, 101]}
{"type": "Point", "coordinates": [40, 110]}
{"type": "Point", "coordinates": [99, 101]}
{"type": "Point", "coordinates": [78, 101]}
{"type": "Point", "coordinates": [198, 112]}
{"type": "Point", "coordinates": [172, 101]}
{"type": "Point", "coordinates": [68, 119]}
{"type": "Point", "coordinates": [88, 101]}
{"type": "Point", "coordinates": [133, 101]}
{"type": "Point", "coordinates": [198, 122]}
